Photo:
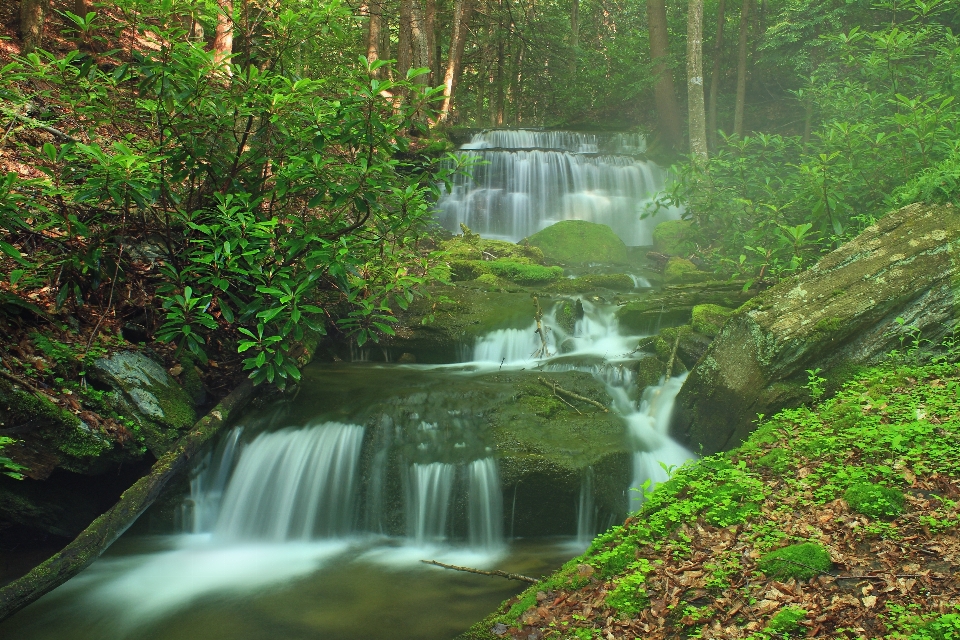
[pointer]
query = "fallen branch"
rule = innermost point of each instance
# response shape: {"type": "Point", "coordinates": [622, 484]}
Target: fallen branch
{"type": "Point", "coordinates": [102, 532]}
{"type": "Point", "coordinates": [26, 385]}
{"type": "Point", "coordinates": [495, 572]}
{"type": "Point", "coordinates": [557, 389]}
{"type": "Point", "coordinates": [673, 355]}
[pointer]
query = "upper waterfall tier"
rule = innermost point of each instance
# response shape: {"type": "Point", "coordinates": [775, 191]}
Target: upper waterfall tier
{"type": "Point", "coordinates": [527, 180]}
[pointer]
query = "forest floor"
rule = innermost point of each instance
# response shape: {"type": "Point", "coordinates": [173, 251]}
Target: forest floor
{"type": "Point", "coordinates": [833, 521]}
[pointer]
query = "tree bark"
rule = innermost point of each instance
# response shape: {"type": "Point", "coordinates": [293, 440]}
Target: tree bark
{"type": "Point", "coordinates": [33, 13]}
{"type": "Point", "coordinates": [664, 93]}
{"type": "Point", "coordinates": [741, 70]}
{"type": "Point", "coordinates": [103, 531]}
{"type": "Point", "coordinates": [372, 33]}
{"type": "Point", "coordinates": [695, 106]}
{"type": "Point", "coordinates": [404, 47]}
{"type": "Point", "coordinates": [430, 24]}
{"type": "Point", "coordinates": [458, 40]}
{"type": "Point", "coordinates": [715, 79]}
{"type": "Point", "coordinates": [223, 36]}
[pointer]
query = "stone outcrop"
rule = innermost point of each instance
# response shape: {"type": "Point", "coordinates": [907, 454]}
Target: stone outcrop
{"type": "Point", "coordinates": [580, 242]}
{"type": "Point", "coordinates": [851, 308]}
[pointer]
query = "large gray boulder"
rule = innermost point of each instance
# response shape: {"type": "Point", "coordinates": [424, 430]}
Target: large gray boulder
{"type": "Point", "coordinates": [851, 308]}
{"type": "Point", "coordinates": [143, 390]}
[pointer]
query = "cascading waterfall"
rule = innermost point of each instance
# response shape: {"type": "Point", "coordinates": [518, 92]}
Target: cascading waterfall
{"type": "Point", "coordinates": [428, 501]}
{"type": "Point", "coordinates": [532, 179]}
{"type": "Point", "coordinates": [586, 510]}
{"type": "Point", "coordinates": [201, 510]}
{"type": "Point", "coordinates": [485, 503]}
{"type": "Point", "coordinates": [294, 484]}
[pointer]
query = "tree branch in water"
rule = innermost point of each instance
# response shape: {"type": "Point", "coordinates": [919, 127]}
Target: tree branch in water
{"type": "Point", "coordinates": [495, 572]}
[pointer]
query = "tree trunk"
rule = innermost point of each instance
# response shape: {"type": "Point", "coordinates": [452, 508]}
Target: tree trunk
{"type": "Point", "coordinates": [32, 15]}
{"type": "Point", "coordinates": [430, 23]}
{"type": "Point", "coordinates": [715, 79]}
{"type": "Point", "coordinates": [458, 40]}
{"type": "Point", "coordinates": [374, 26]}
{"type": "Point", "coordinates": [223, 36]}
{"type": "Point", "coordinates": [695, 108]}
{"type": "Point", "coordinates": [404, 47]}
{"type": "Point", "coordinates": [496, 114]}
{"type": "Point", "coordinates": [574, 35]}
{"type": "Point", "coordinates": [666, 97]}
{"type": "Point", "coordinates": [741, 70]}
{"type": "Point", "coordinates": [103, 531]}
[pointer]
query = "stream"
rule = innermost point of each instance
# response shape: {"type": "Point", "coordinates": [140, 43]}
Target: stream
{"type": "Point", "coordinates": [309, 518]}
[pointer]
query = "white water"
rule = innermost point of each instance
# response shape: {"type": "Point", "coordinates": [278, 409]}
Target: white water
{"type": "Point", "coordinates": [586, 510]}
{"type": "Point", "coordinates": [533, 179]}
{"type": "Point", "coordinates": [428, 501]}
{"type": "Point", "coordinates": [294, 484]}
{"type": "Point", "coordinates": [485, 504]}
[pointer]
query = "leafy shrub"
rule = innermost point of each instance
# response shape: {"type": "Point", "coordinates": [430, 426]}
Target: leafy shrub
{"type": "Point", "coordinates": [629, 596]}
{"type": "Point", "coordinates": [946, 627]}
{"type": "Point", "coordinates": [7, 466]}
{"type": "Point", "coordinates": [799, 561]}
{"type": "Point", "coordinates": [874, 500]}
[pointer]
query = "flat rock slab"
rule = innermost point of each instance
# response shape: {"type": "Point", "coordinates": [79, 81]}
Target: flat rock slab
{"type": "Point", "coordinates": [851, 308]}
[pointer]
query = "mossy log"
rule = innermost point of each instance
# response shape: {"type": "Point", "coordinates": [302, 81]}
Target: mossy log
{"type": "Point", "coordinates": [102, 532]}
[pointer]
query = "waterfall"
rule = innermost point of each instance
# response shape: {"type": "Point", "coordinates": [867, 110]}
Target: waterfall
{"type": "Point", "coordinates": [201, 509]}
{"type": "Point", "coordinates": [649, 431]}
{"type": "Point", "coordinates": [532, 179]}
{"type": "Point", "coordinates": [294, 484]}
{"type": "Point", "coordinates": [428, 501]}
{"type": "Point", "coordinates": [485, 504]}
{"type": "Point", "coordinates": [586, 510]}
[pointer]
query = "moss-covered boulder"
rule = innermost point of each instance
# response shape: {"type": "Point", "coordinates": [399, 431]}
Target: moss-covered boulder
{"type": "Point", "coordinates": [143, 390]}
{"type": "Point", "coordinates": [854, 306]}
{"type": "Point", "coordinates": [650, 369]}
{"type": "Point", "coordinates": [708, 319]}
{"type": "Point", "coordinates": [679, 270]}
{"type": "Point", "coordinates": [674, 305]}
{"type": "Point", "coordinates": [470, 246]}
{"type": "Point", "coordinates": [592, 282]}
{"type": "Point", "coordinates": [674, 238]}
{"type": "Point", "coordinates": [579, 242]}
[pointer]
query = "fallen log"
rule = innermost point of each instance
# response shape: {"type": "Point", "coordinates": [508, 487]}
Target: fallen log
{"type": "Point", "coordinates": [102, 532]}
{"type": "Point", "coordinates": [557, 389]}
{"type": "Point", "coordinates": [495, 572]}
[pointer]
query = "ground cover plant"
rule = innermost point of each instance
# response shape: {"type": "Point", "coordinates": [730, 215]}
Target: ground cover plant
{"type": "Point", "coordinates": [838, 520]}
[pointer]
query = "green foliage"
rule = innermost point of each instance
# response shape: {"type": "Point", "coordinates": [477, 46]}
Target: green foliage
{"type": "Point", "coordinates": [945, 627]}
{"type": "Point", "coordinates": [800, 561]}
{"type": "Point", "coordinates": [674, 238]}
{"type": "Point", "coordinates": [875, 500]}
{"type": "Point", "coordinates": [786, 621]}
{"type": "Point", "coordinates": [8, 467]}
{"type": "Point", "coordinates": [629, 596]}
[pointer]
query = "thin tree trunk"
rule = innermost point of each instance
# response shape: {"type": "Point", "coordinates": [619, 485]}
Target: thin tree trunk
{"type": "Point", "coordinates": [32, 16]}
{"type": "Point", "coordinates": [430, 22]}
{"type": "Point", "coordinates": [223, 36]}
{"type": "Point", "coordinates": [496, 115]}
{"type": "Point", "coordinates": [666, 97]}
{"type": "Point", "coordinates": [458, 40]}
{"type": "Point", "coordinates": [698, 127]}
{"type": "Point", "coordinates": [404, 46]}
{"type": "Point", "coordinates": [374, 25]}
{"type": "Point", "coordinates": [741, 70]}
{"type": "Point", "coordinates": [715, 79]}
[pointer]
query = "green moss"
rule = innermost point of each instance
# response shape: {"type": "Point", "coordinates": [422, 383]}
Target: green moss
{"type": "Point", "coordinates": [629, 595]}
{"type": "Point", "coordinates": [545, 407]}
{"type": "Point", "coordinates": [799, 561]}
{"type": "Point", "coordinates": [682, 270]}
{"type": "Point", "coordinates": [874, 500]}
{"type": "Point", "coordinates": [649, 371]}
{"type": "Point", "coordinates": [828, 325]}
{"type": "Point", "coordinates": [471, 246]}
{"type": "Point", "coordinates": [530, 274]}
{"type": "Point", "coordinates": [191, 381]}
{"type": "Point", "coordinates": [674, 238]}
{"type": "Point", "coordinates": [578, 242]}
{"type": "Point", "coordinates": [786, 621]}
{"type": "Point", "coordinates": [588, 283]}
{"type": "Point", "coordinates": [708, 319]}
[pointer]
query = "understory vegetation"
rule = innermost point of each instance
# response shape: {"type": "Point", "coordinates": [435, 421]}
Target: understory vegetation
{"type": "Point", "coordinates": [834, 520]}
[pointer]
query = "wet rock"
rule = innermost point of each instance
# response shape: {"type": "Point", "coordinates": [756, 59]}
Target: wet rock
{"type": "Point", "coordinates": [591, 282]}
{"type": "Point", "coordinates": [673, 306]}
{"type": "Point", "coordinates": [649, 371]}
{"type": "Point", "coordinates": [142, 389]}
{"type": "Point", "coordinates": [851, 308]}
{"type": "Point", "coordinates": [580, 242]}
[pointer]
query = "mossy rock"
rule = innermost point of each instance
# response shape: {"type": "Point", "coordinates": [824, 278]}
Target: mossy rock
{"type": "Point", "coordinates": [681, 270]}
{"type": "Point", "coordinates": [874, 500]}
{"type": "Point", "coordinates": [708, 319]}
{"type": "Point", "coordinates": [650, 370]}
{"type": "Point", "coordinates": [672, 306]}
{"type": "Point", "coordinates": [589, 283]}
{"type": "Point", "coordinates": [145, 392]}
{"type": "Point", "coordinates": [471, 246]}
{"type": "Point", "coordinates": [799, 561]}
{"type": "Point", "coordinates": [524, 273]}
{"type": "Point", "coordinates": [580, 242]}
{"type": "Point", "coordinates": [674, 238]}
